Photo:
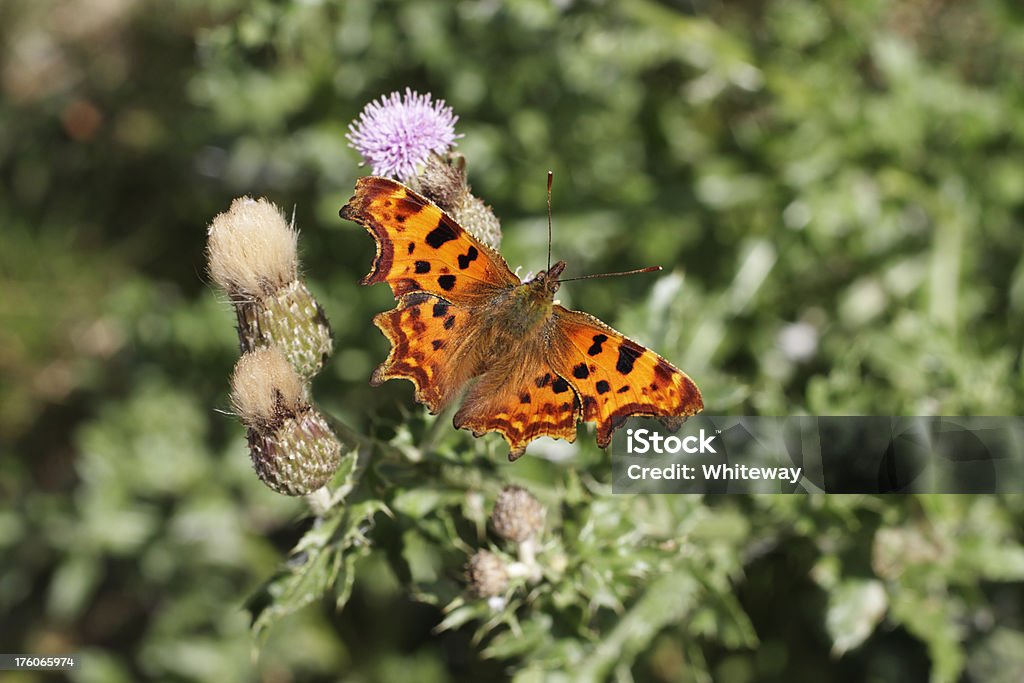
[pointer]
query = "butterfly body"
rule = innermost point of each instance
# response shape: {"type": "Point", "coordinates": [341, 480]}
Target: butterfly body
{"type": "Point", "coordinates": [532, 367]}
{"type": "Point", "coordinates": [527, 307]}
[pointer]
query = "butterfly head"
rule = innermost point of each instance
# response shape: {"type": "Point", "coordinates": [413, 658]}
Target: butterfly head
{"type": "Point", "coordinates": [547, 280]}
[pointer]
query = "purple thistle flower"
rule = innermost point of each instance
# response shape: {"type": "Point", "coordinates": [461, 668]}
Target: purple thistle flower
{"type": "Point", "coordinates": [395, 134]}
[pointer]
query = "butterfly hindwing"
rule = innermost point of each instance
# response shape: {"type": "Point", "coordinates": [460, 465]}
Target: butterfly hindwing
{"type": "Point", "coordinates": [521, 401]}
{"type": "Point", "coordinates": [426, 335]}
{"type": "Point", "coordinates": [420, 247]}
{"type": "Point", "coordinates": [616, 377]}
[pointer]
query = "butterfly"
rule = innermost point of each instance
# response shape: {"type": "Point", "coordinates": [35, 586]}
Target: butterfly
{"type": "Point", "coordinates": [533, 368]}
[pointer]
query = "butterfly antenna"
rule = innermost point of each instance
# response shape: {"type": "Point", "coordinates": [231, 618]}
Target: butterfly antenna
{"type": "Point", "coordinates": [551, 176]}
{"type": "Point", "coordinates": [649, 269]}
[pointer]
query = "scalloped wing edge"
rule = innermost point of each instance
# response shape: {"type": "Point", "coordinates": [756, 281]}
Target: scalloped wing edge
{"type": "Point", "coordinates": [355, 211]}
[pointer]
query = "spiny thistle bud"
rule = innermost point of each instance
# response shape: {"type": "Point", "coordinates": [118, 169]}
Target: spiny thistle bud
{"type": "Point", "coordinates": [443, 180]}
{"type": "Point", "coordinates": [486, 574]}
{"type": "Point", "coordinates": [517, 515]}
{"type": "Point", "coordinates": [292, 448]}
{"type": "Point", "coordinates": [252, 256]}
{"type": "Point", "coordinates": [479, 220]}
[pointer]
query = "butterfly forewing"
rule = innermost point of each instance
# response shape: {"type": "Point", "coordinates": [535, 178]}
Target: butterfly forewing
{"type": "Point", "coordinates": [616, 377]}
{"type": "Point", "coordinates": [421, 248]}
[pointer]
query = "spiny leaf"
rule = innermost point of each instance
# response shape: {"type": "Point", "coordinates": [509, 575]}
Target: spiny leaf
{"type": "Point", "coordinates": [666, 600]}
{"type": "Point", "coordinates": [323, 560]}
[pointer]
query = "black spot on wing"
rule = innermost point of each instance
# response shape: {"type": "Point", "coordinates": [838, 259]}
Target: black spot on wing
{"type": "Point", "coordinates": [603, 387]}
{"type": "Point", "coordinates": [412, 247]}
{"type": "Point", "coordinates": [449, 322]}
{"type": "Point", "coordinates": [446, 282]}
{"type": "Point", "coordinates": [444, 232]}
{"type": "Point", "coordinates": [422, 267]}
{"type": "Point", "coordinates": [595, 348]}
{"type": "Point", "coordinates": [524, 398]}
{"type": "Point", "coordinates": [559, 385]}
{"type": "Point", "coordinates": [437, 344]}
{"type": "Point", "coordinates": [467, 258]}
{"type": "Point", "coordinates": [543, 381]}
{"type": "Point", "coordinates": [440, 309]}
{"type": "Point", "coordinates": [580, 371]}
{"type": "Point", "coordinates": [628, 353]}
{"type": "Point", "coordinates": [623, 389]}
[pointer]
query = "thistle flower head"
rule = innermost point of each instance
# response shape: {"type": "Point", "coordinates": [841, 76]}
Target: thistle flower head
{"type": "Point", "coordinates": [396, 133]}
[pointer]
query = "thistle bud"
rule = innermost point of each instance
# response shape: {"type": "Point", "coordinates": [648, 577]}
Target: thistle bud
{"type": "Point", "coordinates": [486, 574]}
{"type": "Point", "coordinates": [253, 256]}
{"type": "Point", "coordinates": [443, 181]}
{"type": "Point", "coordinates": [479, 219]}
{"type": "Point", "coordinates": [517, 515]}
{"type": "Point", "coordinates": [293, 450]}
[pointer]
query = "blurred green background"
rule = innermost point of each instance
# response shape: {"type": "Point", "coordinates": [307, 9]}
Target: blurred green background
{"type": "Point", "coordinates": [836, 191]}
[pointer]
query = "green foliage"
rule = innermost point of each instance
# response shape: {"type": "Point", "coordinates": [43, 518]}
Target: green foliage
{"type": "Point", "coordinates": [834, 189]}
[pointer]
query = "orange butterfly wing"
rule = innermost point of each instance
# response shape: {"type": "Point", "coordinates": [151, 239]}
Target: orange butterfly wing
{"type": "Point", "coordinates": [447, 283]}
{"type": "Point", "coordinates": [517, 394]}
{"type": "Point", "coordinates": [617, 378]}
{"type": "Point", "coordinates": [439, 273]}
{"type": "Point", "coordinates": [421, 248]}
{"type": "Point", "coordinates": [521, 399]}
{"type": "Point", "coordinates": [427, 336]}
